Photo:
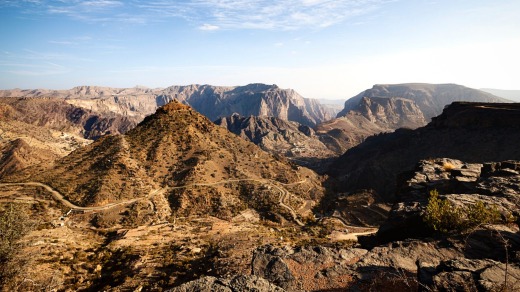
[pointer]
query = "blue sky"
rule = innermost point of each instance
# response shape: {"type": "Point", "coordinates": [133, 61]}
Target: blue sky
{"type": "Point", "coordinates": [321, 48]}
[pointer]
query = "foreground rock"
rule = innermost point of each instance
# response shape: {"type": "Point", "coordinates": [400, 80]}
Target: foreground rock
{"type": "Point", "coordinates": [463, 274]}
{"type": "Point", "coordinates": [408, 255]}
{"type": "Point", "coordinates": [237, 283]}
{"type": "Point", "coordinates": [306, 268]}
{"type": "Point", "coordinates": [496, 184]}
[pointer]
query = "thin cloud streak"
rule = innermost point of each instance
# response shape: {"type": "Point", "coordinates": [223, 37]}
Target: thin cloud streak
{"type": "Point", "coordinates": [208, 27]}
{"type": "Point", "coordinates": [210, 14]}
{"type": "Point", "coordinates": [270, 15]}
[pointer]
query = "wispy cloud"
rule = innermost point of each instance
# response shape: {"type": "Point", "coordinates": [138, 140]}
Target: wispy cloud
{"type": "Point", "coordinates": [210, 27]}
{"type": "Point", "coordinates": [210, 14]}
{"type": "Point", "coordinates": [273, 15]}
{"type": "Point", "coordinates": [42, 69]}
{"type": "Point", "coordinates": [32, 63]}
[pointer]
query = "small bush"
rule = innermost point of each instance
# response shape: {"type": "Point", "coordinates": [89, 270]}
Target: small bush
{"type": "Point", "coordinates": [479, 213]}
{"type": "Point", "coordinates": [443, 216]}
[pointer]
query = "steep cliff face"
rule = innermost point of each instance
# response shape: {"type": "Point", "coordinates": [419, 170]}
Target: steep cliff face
{"type": "Point", "coordinates": [371, 116]}
{"type": "Point", "coordinates": [473, 132]}
{"type": "Point", "coordinates": [212, 101]}
{"type": "Point", "coordinates": [253, 99]}
{"type": "Point", "coordinates": [430, 98]}
{"type": "Point", "coordinates": [391, 113]}
{"type": "Point", "coordinates": [57, 114]}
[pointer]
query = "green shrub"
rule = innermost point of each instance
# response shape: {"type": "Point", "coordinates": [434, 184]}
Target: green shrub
{"type": "Point", "coordinates": [443, 216]}
{"type": "Point", "coordinates": [479, 213]}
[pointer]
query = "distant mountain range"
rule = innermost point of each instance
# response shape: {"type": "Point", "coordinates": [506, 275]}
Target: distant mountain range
{"type": "Point", "coordinates": [212, 101]}
{"type": "Point", "coordinates": [513, 95]}
{"type": "Point", "coordinates": [279, 120]}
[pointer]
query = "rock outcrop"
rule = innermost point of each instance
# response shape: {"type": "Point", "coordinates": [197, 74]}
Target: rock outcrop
{"type": "Point", "coordinates": [496, 184]}
{"type": "Point", "coordinates": [306, 268]}
{"type": "Point", "coordinates": [390, 267]}
{"type": "Point", "coordinates": [484, 258]}
{"type": "Point", "coordinates": [472, 132]}
{"type": "Point", "coordinates": [463, 274]}
{"type": "Point", "coordinates": [237, 283]}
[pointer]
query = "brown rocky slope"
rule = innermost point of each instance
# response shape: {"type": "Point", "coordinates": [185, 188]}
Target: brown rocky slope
{"type": "Point", "coordinates": [28, 138]}
{"type": "Point", "coordinates": [372, 115]}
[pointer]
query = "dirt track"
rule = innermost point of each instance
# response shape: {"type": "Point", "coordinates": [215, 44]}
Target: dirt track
{"type": "Point", "coordinates": [59, 197]}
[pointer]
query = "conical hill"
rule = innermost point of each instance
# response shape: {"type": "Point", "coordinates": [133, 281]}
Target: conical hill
{"type": "Point", "coordinates": [192, 164]}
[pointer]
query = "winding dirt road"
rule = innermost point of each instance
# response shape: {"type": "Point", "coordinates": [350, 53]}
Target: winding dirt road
{"type": "Point", "coordinates": [283, 195]}
{"type": "Point", "coordinates": [59, 197]}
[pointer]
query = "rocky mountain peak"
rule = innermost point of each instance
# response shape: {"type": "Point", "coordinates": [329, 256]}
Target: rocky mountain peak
{"type": "Point", "coordinates": [172, 108]}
